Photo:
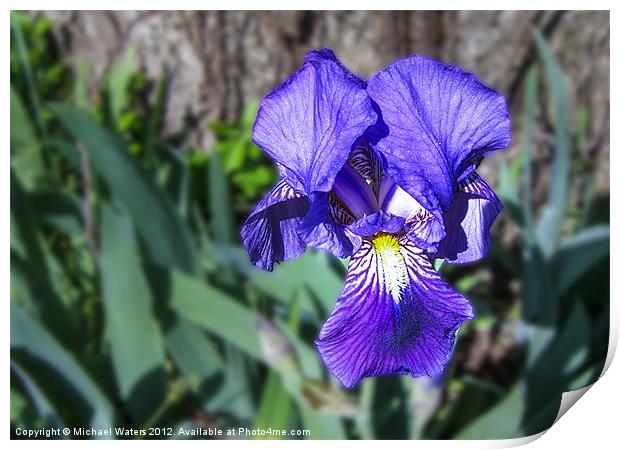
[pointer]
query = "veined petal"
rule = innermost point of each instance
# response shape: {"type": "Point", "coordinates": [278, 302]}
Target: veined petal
{"type": "Point", "coordinates": [310, 122]}
{"type": "Point", "coordinates": [366, 162]}
{"type": "Point", "coordinates": [270, 232]}
{"type": "Point", "coordinates": [376, 223]}
{"type": "Point", "coordinates": [319, 230]}
{"type": "Point", "coordinates": [395, 315]}
{"type": "Point", "coordinates": [469, 221]}
{"type": "Point", "coordinates": [439, 121]}
{"type": "Point", "coordinates": [424, 228]}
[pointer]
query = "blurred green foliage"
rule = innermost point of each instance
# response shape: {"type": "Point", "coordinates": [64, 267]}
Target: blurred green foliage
{"type": "Point", "coordinates": [133, 303]}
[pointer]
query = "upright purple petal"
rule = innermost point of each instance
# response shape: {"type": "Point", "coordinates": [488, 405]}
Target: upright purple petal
{"type": "Point", "coordinates": [310, 122]}
{"type": "Point", "coordinates": [439, 121]}
{"type": "Point", "coordinates": [468, 222]}
{"type": "Point", "coordinates": [395, 315]}
{"type": "Point", "coordinates": [270, 232]}
{"type": "Point", "coordinates": [320, 229]}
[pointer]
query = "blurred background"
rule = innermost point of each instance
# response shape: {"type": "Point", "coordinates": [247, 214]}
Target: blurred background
{"type": "Point", "coordinates": [132, 167]}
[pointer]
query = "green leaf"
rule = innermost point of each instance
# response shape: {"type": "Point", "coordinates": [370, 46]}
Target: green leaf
{"type": "Point", "coordinates": [29, 289]}
{"type": "Point", "coordinates": [61, 211]}
{"type": "Point", "coordinates": [30, 337]}
{"type": "Point", "coordinates": [28, 72]}
{"type": "Point", "coordinates": [67, 150]}
{"type": "Point", "coordinates": [529, 123]}
{"type": "Point", "coordinates": [196, 357]}
{"type": "Point", "coordinates": [80, 87]}
{"type": "Point", "coordinates": [135, 338]}
{"type": "Point", "coordinates": [321, 425]}
{"type": "Point", "coordinates": [275, 407]}
{"type": "Point", "coordinates": [540, 304]}
{"type": "Point", "coordinates": [156, 116]}
{"type": "Point", "coordinates": [249, 115]}
{"type": "Point", "coordinates": [509, 196]}
{"type": "Point", "coordinates": [26, 232]}
{"type": "Point", "coordinates": [165, 236]}
{"type": "Point", "coordinates": [216, 312]}
{"type": "Point", "coordinates": [558, 363]}
{"type": "Point", "coordinates": [44, 407]}
{"type": "Point", "coordinates": [549, 227]}
{"type": "Point", "coordinates": [118, 81]}
{"type": "Point", "coordinates": [307, 356]}
{"type": "Point", "coordinates": [424, 399]}
{"type": "Point", "coordinates": [222, 221]}
{"type": "Point", "coordinates": [500, 422]}
{"type": "Point", "coordinates": [313, 270]}
{"type": "Point", "coordinates": [26, 157]}
{"type": "Point", "coordinates": [578, 255]}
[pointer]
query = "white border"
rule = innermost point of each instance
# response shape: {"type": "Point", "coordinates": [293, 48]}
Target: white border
{"type": "Point", "coordinates": [592, 423]}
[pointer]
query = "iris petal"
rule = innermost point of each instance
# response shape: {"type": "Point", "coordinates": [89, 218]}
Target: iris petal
{"type": "Point", "coordinates": [469, 222]}
{"type": "Point", "coordinates": [376, 223]}
{"type": "Point", "coordinates": [270, 232]}
{"type": "Point", "coordinates": [397, 201]}
{"type": "Point", "coordinates": [310, 123]}
{"type": "Point", "coordinates": [319, 230]}
{"type": "Point", "coordinates": [373, 331]}
{"type": "Point", "coordinates": [438, 121]}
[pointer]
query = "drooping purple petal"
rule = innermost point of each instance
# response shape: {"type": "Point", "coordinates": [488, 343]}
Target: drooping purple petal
{"type": "Point", "coordinates": [390, 318]}
{"type": "Point", "coordinates": [310, 122]}
{"type": "Point", "coordinates": [439, 121]}
{"type": "Point", "coordinates": [320, 230]}
{"type": "Point", "coordinates": [378, 222]}
{"type": "Point", "coordinates": [469, 222]}
{"type": "Point", "coordinates": [425, 231]}
{"type": "Point", "coordinates": [270, 232]}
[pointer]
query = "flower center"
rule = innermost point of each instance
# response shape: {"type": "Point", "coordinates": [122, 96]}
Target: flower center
{"type": "Point", "coordinates": [391, 264]}
{"type": "Point", "coordinates": [355, 192]}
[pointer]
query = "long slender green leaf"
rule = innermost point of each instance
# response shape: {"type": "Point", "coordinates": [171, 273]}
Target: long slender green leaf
{"type": "Point", "coordinates": [165, 235]}
{"type": "Point", "coordinates": [61, 211]}
{"type": "Point", "coordinates": [31, 290]}
{"type": "Point", "coordinates": [27, 160]}
{"type": "Point", "coordinates": [137, 351]}
{"type": "Point", "coordinates": [28, 336]}
{"type": "Point", "coordinates": [25, 62]}
{"type": "Point", "coordinates": [196, 357]}
{"type": "Point", "coordinates": [47, 411]}
{"type": "Point", "coordinates": [313, 270]}
{"type": "Point", "coordinates": [529, 122]}
{"type": "Point", "coordinates": [117, 82]}
{"type": "Point", "coordinates": [156, 116]}
{"type": "Point", "coordinates": [539, 296]}
{"type": "Point", "coordinates": [578, 255]}
{"type": "Point", "coordinates": [222, 222]}
{"type": "Point", "coordinates": [501, 422]}
{"type": "Point", "coordinates": [557, 364]}
{"type": "Point", "coordinates": [321, 425]}
{"type": "Point", "coordinates": [216, 312]}
{"type": "Point", "coordinates": [550, 226]}
{"type": "Point", "coordinates": [275, 407]}
{"type": "Point", "coordinates": [25, 235]}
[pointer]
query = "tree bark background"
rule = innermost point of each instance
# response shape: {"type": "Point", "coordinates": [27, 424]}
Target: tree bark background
{"type": "Point", "coordinates": [221, 60]}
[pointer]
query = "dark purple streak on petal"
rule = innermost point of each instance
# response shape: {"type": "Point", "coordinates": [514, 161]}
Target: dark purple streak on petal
{"type": "Point", "coordinates": [370, 333]}
{"type": "Point", "coordinates": [270, 232]}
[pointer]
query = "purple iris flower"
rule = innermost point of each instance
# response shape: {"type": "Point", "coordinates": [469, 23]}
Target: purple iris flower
{"type": "Point", "coordinates": [383, 172]}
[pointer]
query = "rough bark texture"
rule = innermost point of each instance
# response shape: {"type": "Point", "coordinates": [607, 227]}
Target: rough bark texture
{"type": "Point", "coordinates": [221, 60]}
